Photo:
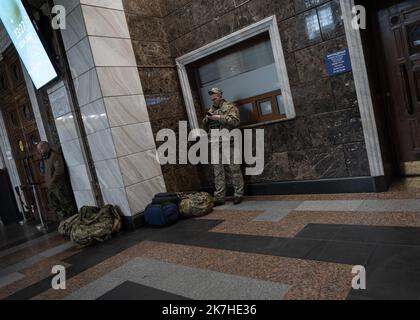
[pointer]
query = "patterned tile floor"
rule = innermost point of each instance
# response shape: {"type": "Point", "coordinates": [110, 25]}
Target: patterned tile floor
{"type": "Point", "coordinates": [267, 248]}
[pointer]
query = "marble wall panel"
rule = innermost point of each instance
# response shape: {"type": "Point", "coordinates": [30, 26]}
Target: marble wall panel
{"type": "Point", "coordinates": [314, 97]}
{"type": "Point", "coordinates": [320, 163]}
{"type": "Point", "coordinates": [72, 152]}
{"type": "Point", "coordinates": [80, 58]}
{"type": "Point", "coordinates": [84, 198]}
{"type": "Point", "coordinates": [119, 81]}
{"type": "Point", "coordinates": [117, 197]}
{"type": "Point", "coordinates": [146, 28]}
{"type": "Point", "coordinates": [304, 148]}
{"type": "Point", "coordinates": [94, 117]}
{"type": "Point", "coordinates": [335, 128]}
{"type": "Point", "coordinates": [303, 5]}
{"type": "Point", "coordinates": [311, 61]}
{"type": "Point", "coordinates": [283, 9]}
{"type": "Point", "coordinates": [152, 53]}
{"type": "Point", "coordinates": [109, 174]}
{"type": "Point", "coordinates": [178, 23]}
{"type": "Point", "coordinates": [166, 105]}
{"type": "Point", "coordinates": [146, 8]}
{"type": "Point", "coordinates": [87, 87]}
{"type": "Point", "coordinates": [140, 167]}
{"type": "Point", "coordinates": [66, 127]}
{"type": "Point", "coordinates": [331, 23]}
{"type": "Point", "coordinates": [102, 145]}
{"type": "Point", "coordinates": [357, 159]}
{"type": "Point", "coordinates": [126, 110]}
{"type": "Point", "coordinates": [141, 194]}
{"type": "Point", "coordinates": [75, 27]}
{"type": "Point", "coordinates": [300, 31]}
{"type": "Point", "coordinates": [112, 52]}
{"type": "Point", "coordinates": [169, 6]}
{"type": "Point", "coordinates": [104, 22]}
{"type": "Point", "coordinates": [132, 139]}
{"type": "Point", "coordinates": [159, 80]}
{"type": "Point", "coordinates": [344, 91]}
{"type": "Point", "coordinates": [110, 4]}
{"type": "Point", "coordinates": [79, 178]}
{"type": "Point", "coordinates": [68, 4]}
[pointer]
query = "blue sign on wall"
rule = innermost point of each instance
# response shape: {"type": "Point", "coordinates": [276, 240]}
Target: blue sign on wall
{"type": "Point", "coordinates": [23, 35]}
{"type": "Point", "coordinates": [338, 62]}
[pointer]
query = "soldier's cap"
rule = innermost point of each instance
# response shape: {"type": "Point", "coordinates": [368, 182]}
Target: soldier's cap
{"type": "Point", "coordinates": [215, 91]}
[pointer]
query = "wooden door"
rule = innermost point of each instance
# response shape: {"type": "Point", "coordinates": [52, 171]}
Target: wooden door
{"type": "Point", "coordinates": [400, 34]}
{"type": "Point", "coordinates": [21, 128]}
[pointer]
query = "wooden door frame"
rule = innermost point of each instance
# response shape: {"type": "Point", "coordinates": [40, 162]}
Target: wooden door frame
{"type": "Point", "coordinates": [379, 84]}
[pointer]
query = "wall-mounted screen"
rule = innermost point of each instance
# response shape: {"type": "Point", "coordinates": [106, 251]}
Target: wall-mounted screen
{"type": "Point", "coordinates": [27, 42]}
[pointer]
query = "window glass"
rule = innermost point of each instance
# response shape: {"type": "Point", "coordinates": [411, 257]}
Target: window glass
{"type": "Point", "coordinates": [326, 17]}
{"type": "Point", "coordinates": [280, 102]}
{"type": "Point", "coordinates": [266, 108]}
{"type": "Point", "coordinates": [312, 26]}
{"type": "Point", "coordinates": [246, 113]}
{"type": "Point", "coordinates": [236, 62]}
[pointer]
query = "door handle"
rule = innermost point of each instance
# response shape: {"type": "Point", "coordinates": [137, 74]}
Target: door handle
{"type": "Point", "coordinates": [407, 92]}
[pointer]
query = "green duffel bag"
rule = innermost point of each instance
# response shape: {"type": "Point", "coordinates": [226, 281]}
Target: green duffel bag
{"type": "Point", "coordinates": [195, 204]}
{"type": "Point", "coordinates": [96, 225]}
{"type": "Point", "coordinates": [92, 224]}
{"type": "Point", "coordinates": [66, 226]}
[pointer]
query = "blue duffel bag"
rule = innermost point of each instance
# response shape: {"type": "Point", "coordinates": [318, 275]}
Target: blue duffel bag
{"type": "Point", "coordinates": [160, 215]}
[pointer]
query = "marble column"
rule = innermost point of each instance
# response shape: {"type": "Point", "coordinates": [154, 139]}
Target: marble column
{"type": "Point", "coordinates": [71, 144]}
{"type": "Point", "coordinates": [112, 104]}
{"type": "Point", "coordinates": [364, 94]}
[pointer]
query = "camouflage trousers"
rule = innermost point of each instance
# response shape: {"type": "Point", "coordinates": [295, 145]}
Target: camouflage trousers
{"type": "Point", "coordinates": [60, 199]}
{"type": "Point", "coordinates": [220, 176]}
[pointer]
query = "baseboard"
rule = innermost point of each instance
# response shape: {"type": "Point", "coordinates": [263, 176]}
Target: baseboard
{"type": "Point", "coordinates": [324, 186]}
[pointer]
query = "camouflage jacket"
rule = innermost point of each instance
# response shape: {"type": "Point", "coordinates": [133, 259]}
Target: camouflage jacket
{"type": "Point", "coordinates": [55, 169]}
{"type": "Point", "coordinates": [230, 117]}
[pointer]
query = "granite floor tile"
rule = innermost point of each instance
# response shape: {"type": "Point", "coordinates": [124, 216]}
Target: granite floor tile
{"type": "Point", "coordinates": [342, 252]}
{"type": "Point", "coordinates": [319, 232]}
{"type": "Point", "coordinates": [376, 234]}
{"type": "Point", "coordinates": [308, 243]}
{"type": "Point", "coordinates": [344, 205]}
{"type": "Point", "coordinates": [36, 273]}
{"type": "Point", "coordinates": [299, 274]}
{"type": "Point", "coordinates": [26, 244]}
{"type": "Point", "coordinates": [243, 222]}
{"type": "Point", "coordinates": [15, 257]}
{"type": "Point", "coordinates": [272, 216]}
{"type": "Point", "coordinates": [10, 278]}
{"type": "Point", "coordinates": [407, 205]}
{"type": "Point", "coordinates": [134, 291]}
{"type": "Point", "coordinates": [184, 281]}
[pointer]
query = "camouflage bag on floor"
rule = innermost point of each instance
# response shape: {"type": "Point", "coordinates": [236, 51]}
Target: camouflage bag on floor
{"type": "Point", "coordinates": [65, 226]}
{"type": "Point", "coordinates": [92, 224]}
{"type": "Point", "coordinates": [195, 204]}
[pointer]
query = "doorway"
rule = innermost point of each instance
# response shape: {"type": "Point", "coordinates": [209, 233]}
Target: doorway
{"type": "Point", "coordinates": [23, 133]}
{"type": "Point", "coordinates": [398, 49]}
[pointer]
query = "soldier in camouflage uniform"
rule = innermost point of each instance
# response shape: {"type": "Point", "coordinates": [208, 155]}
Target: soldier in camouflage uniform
{"type": "Point", "coordinates": [59, 192]}
{"type": "Point", "coordinates": [224, 115]}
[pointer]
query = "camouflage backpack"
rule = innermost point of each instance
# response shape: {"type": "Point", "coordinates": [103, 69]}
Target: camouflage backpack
{"type": "Point", "coordinates": [195, 204]}
{"type": "Point", "coordinates": [92, 224]}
